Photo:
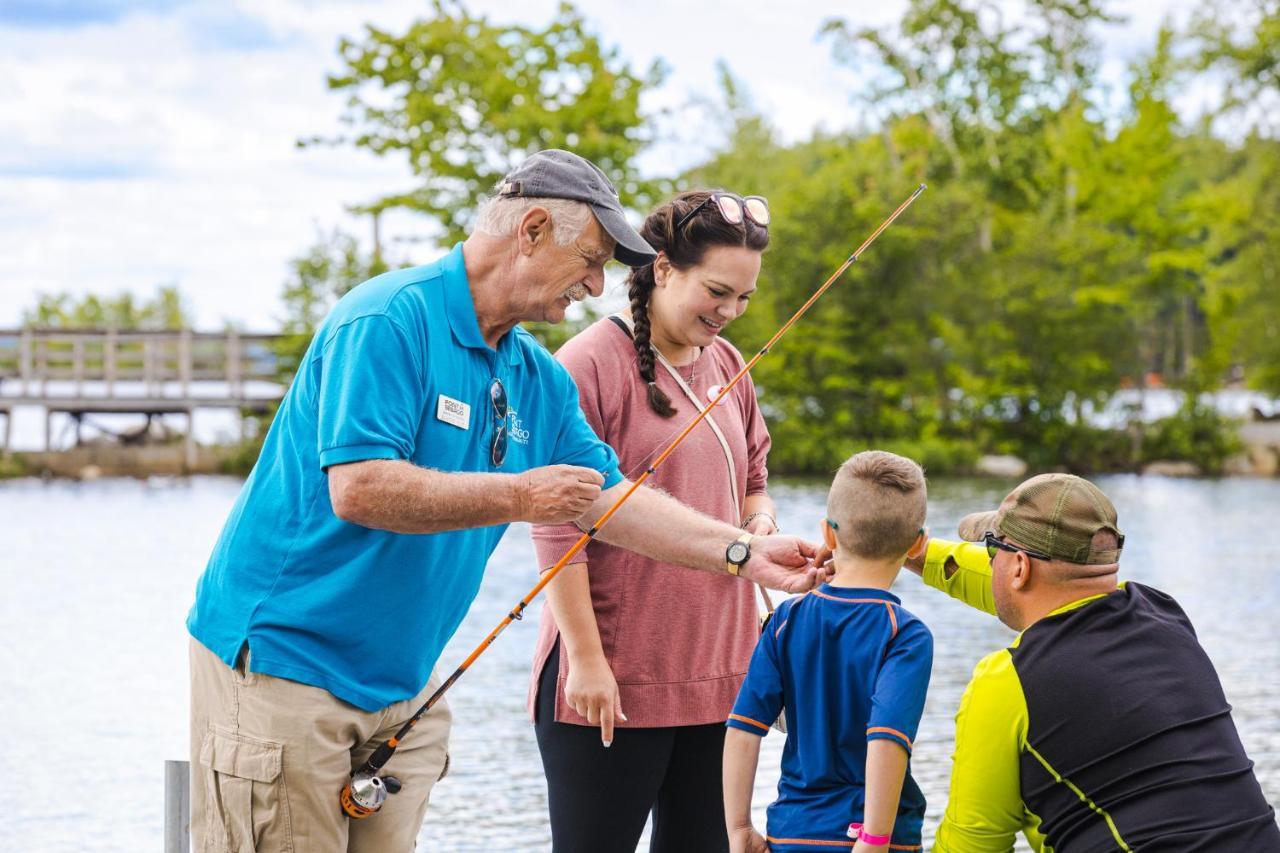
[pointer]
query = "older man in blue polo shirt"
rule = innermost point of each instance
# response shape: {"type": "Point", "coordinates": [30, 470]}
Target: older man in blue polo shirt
{"type": "Point", "coordinates": [421, 422]}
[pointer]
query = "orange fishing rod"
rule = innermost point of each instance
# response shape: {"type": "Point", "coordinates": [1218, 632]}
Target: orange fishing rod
{"type": "Point", "coordinates": [365, 793]}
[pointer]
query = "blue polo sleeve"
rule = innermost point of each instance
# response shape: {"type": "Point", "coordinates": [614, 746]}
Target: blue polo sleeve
{"type": "Point", "coordinates": [577, 443]}
{"type": "Point", "coordinates": [901, 685]}
{"type": "Point", "coordinates": [371, 392]}
{"type": "Point", "coordinates": [759, 700]}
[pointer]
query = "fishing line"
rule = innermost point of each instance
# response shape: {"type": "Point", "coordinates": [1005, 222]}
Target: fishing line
{"type": "Point", "coordinates": [366, 791]}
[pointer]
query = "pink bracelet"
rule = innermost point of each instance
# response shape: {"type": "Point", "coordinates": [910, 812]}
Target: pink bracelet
{"type": "Point", "coordinates": [856, 832]}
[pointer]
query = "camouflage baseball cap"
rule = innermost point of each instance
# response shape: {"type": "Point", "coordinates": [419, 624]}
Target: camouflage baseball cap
{"type": "Point", "coordinates": [1057, 514]}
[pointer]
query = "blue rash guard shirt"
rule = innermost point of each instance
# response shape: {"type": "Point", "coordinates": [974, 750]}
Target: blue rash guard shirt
{"type": "Point", "coordinates": [398, 370]}
{"type": "Point", "coordinates": [849, 666]}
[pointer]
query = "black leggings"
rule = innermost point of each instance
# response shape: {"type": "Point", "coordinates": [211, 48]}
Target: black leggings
{"type": "Point", "coordinates": [600, 798]}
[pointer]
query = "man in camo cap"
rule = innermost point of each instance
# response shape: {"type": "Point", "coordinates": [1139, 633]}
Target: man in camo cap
{"type": "Point", "coordinates": [1103, 726]}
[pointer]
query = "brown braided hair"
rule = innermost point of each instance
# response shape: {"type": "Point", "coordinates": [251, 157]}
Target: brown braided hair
{"type": "Point", "coordinates": [684, 251]}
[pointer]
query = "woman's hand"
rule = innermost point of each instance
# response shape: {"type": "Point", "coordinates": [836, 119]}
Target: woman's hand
{"type": "Point", "coordinates": [592, 691]}
{"type": "Point", "coordinates": [745, 839]}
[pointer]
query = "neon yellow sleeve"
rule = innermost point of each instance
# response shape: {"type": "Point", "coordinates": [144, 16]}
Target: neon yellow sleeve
{"type": "Point", "coordinates": [984, 809]}
{"type": "Point", "coordinates": [970, 580]}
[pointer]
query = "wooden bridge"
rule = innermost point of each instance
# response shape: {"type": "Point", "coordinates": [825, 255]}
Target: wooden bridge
{"type": "Point", "coordinates": [78, 372]}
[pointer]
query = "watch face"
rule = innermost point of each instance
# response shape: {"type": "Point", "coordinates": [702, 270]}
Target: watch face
{"type": "Point", "coordinates": [738, 553]}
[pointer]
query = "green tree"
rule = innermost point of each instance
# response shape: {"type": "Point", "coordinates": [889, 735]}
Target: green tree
{"type": "Point", "coordinates": [464, 100]}
{"type": "Point", "coordinates": [1240, 206]}
{"type": "Point", "coordinates": [317, 278]}
{"type": "Point", "coordinates": [168, 309]}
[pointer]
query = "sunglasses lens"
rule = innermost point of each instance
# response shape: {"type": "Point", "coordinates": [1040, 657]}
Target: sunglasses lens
{"type": "Point", "coordinates": [758, 210]}
{"type": "Point", "coordinates": [991, 552]}
{"type": "Point", "coordinates": [498, 452]}
{"type": "Point", "coordinates": [498, 397]}
{"type": "Point", "coordinates": [730, 209]}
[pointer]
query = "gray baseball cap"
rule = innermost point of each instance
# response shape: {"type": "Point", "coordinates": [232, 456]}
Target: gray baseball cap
{"type": "Point", "coordinates": [562, 174]}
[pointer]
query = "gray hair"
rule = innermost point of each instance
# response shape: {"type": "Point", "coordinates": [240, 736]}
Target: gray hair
{"type": "Point", "coordinates": [499, 216]}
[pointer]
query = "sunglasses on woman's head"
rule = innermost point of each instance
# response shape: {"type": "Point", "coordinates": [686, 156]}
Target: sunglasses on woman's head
{"type": "Point", "coordinates": [733, 207]}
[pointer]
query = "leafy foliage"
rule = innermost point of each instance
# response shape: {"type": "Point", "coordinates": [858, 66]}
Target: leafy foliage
{"type": "Point", "coordinates": [1075, 241]}
{"type": "Point", "coordinates": [464, 100]}
{"type": "Point", "coordinates": [166, 310]}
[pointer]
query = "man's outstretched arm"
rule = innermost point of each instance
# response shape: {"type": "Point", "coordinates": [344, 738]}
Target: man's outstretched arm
{"type": "Point", "coordinates": [960, 569]}
{"type": "Point", "coordinates": [661, 528]}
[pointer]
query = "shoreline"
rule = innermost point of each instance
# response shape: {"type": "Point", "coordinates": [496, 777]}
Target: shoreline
{"type": "Point", "coordinates": [1259, 458]}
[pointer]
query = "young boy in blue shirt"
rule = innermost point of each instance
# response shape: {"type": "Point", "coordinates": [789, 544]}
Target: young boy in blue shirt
{"type": "Point", "coordinates": [850, 667]}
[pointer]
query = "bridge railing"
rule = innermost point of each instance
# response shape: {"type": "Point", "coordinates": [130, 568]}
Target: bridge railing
{"type": "Point", "coordinates": [147, 363]}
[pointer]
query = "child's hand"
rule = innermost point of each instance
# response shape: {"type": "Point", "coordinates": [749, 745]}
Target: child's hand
{"type": "Point", "coordinates": [745, 839]}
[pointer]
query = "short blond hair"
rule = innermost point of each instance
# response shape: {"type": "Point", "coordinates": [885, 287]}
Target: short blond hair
{"type": "Point", "coordinates": [878, 502]}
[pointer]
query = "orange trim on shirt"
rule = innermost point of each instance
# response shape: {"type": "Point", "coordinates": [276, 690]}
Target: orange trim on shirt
{"type": "Point", "coordinates": [780, 627]}
{"type": "Point", "coordinates": [848, 600]}
{"type": "Point", "coordinates": [893, 617]}
{"type": "Point", "coordinates": [889, 731]}
{"type": "Point", "coordinates": [743, 719]}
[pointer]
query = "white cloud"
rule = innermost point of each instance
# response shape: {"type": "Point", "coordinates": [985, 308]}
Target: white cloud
{"type": "Point", "coordinates": [160, 146]}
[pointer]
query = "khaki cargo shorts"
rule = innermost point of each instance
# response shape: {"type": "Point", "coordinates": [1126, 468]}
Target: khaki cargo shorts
{"type": "Point", "coordinates": [269, 757]}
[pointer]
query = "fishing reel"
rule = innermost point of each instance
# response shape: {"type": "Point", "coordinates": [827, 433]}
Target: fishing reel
{"type": "Point", "coordinates": [366, 792]}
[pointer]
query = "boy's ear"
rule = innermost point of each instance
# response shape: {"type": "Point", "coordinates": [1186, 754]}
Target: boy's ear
{"type": "Point", "coordinates": [828, 535]}
{"type": "Point", "coordinates": [918, 547]}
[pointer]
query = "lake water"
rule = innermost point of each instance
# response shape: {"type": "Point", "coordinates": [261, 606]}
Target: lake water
{"type": "Point", "coordinates": [97, 579]}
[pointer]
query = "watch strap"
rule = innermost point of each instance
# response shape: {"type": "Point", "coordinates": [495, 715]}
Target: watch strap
{"type": "Point", "coordinates": [732, 567]}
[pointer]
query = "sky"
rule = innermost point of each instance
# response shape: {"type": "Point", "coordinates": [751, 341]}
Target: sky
{"type": "Point", "coordinates": [153, 142]}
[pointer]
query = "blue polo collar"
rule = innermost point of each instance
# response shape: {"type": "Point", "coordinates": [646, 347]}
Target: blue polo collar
{"type": "Point", "coordinates": [461, 310]}
{"type": "Point", "coordinates": [860, 592]}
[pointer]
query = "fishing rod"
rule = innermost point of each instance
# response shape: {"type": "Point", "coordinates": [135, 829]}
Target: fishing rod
{"type": "Point", "coordinates": [366, 791]}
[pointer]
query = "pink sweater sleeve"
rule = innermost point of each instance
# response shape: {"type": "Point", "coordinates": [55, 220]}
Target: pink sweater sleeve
{"type": "Point", "coordinates": [552, 541]}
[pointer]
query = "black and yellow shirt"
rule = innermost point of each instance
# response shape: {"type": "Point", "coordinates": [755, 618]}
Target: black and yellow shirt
{"type": "Point", "coordinates": [1103, 727]}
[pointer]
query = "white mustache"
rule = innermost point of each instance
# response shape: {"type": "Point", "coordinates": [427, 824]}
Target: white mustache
{"type": "Point", "coordinates": [578, 292]}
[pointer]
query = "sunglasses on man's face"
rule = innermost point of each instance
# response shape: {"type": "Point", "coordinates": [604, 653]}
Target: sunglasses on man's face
{"type": "Point", "coordinates": [733, 207]}
{"type": "Point", "coordinates": [498, 406]}
{"type": "Point", "coordinates": [995, 543]}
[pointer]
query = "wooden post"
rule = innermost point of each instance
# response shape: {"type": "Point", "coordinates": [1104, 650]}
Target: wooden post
{"type": "Point", "coordinates": [109, 362]}
{"type": "Point", "coordinates": [189, 446]}
{"type": "Point", "coordinates": [184, 362]}
{"type": "Point", "coordinates": [77, 363]}
{"type": "Point", "coordinates": [24, 358]}
{"type": "Point", "coordinates": [234, 391]}
{"type": "Point", "coordinates": [146, 365]}
{"type": "Point", "coordinates": [48, 430]}
{"type": "Point", "coordinates": [8, 425]}
{"type": "Point", "coordinates": [42, 365]}
{"type": "Point", "coordinates": [177, 807]}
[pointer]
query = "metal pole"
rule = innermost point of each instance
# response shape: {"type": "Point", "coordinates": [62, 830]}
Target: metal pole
{"type": "Point", "coordinates": [177, 807]}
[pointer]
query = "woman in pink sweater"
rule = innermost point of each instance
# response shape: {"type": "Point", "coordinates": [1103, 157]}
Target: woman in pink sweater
{"type": "Point", "coordinates": [638, 663]}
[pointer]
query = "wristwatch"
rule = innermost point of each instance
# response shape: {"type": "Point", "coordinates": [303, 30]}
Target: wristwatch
{"type": "Point", "coordinates": [737, 554]}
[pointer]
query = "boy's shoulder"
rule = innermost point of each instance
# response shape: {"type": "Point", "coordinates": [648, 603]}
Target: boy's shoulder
{"type": "Point", "coordinates": [912, 626]}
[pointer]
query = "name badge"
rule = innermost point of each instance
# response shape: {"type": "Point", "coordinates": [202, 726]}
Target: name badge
{"type": "Point", "coordinates": [454, 412]}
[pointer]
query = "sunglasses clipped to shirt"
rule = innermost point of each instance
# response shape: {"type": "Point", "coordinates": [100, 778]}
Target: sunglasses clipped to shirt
{"type": "Point", "coordinates": [498, 407]}
{"type": "Point", "coordinates": [733, 207]}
